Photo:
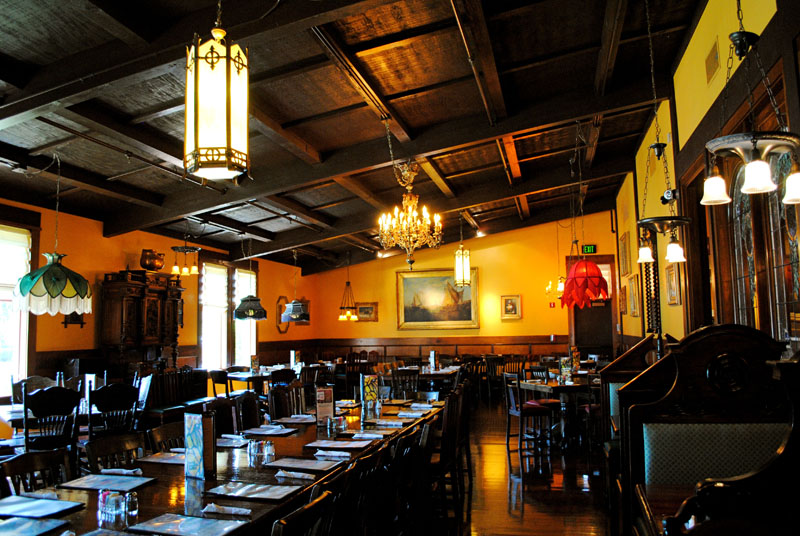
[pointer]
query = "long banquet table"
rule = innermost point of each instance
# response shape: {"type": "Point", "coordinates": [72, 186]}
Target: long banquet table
{"type": "Point", "coordinates": [167, 493]}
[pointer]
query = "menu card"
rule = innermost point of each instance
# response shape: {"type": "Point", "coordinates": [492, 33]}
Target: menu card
{"type": "Point", "coordinates": [231, 443]}
{"type": "Point", "coordinates": [193, 499]}
{"type": "Point", "coordinates": [201, 447]}
{"type": "Point", "coordinates": [299, 463]}
{"type": "Point", "coordinates": [30, 527]}
{"type": "Point", "coordinates": [327, 444]}
{"type": "Point", "coordinates": [297, 419]}
{"type": "Point", "coordinates": [16, 505]}
{"type": "Point", "coordinates": [369, 387]}
{"type": "Point", "coordinates": [325, 405]}
{"type": "Point", "coordinates": [174, 524]}
{"type": "Point", "coordinates": [243, 490]}
{"type": "Point", "coordinates": [112, 482]}
{"type": "Point", "coordinates": [176, 458]}
{"type": "Point", "coordinates": [270, 431]}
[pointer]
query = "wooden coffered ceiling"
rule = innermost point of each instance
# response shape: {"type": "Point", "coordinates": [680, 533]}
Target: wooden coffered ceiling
{"type": "Point", "coordinates": [485, 96]}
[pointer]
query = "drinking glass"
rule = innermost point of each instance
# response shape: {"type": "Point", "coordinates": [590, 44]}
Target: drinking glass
{"type": "Point", "coordinates": [132, 504]}
{"type": "Point", "coordinates": [255, 452]}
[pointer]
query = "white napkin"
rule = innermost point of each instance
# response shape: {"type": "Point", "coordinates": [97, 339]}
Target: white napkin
{"type": "Point", "coordinates": [417, 405]}
{"type": "Point", "coordinates": [393, 424]}
{"type": "Point", "coordinates": [294, 474]}
{"type": "Point", "coordinates": [231, 436]}
{"type": "Point", "coordinates": [367, 435]}
{"type": "Point", "coordinates": [213, 508]}
{"type": "Point", "coordinates": [303, 416]}
{"type": "Point", "coordinates": [178, 449]}
{"type": "Point", "coordinates": [332, 454]}
{"type": "Point", "coordinates": [40, 494]}
{"type": "Point", "coordinates": [118, 471]}
{"type": "Point", "coordinates": [271, 426]}
{"type": "Point", "coordinates": [411, 414]}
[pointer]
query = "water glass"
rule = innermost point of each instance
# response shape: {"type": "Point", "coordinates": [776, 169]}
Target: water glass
{"type": "Point", "coordinates": [255, 452]}
{"type": "Point", "coordinates": [102, 495]}
{"type": "Point", "coordinates": [132, 504]}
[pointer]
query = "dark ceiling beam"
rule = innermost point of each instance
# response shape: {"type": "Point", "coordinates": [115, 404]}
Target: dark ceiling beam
{"type": "Point", "coordinates": [553, 177]}
{"type": "Point", "coordinates": [354, 187]}
{"type": "Point", "coordinates": [270, 75]}
{"type": "Point", "coordinates": [613, 21]}
{"type": "Point", "coordinates": [478, 44]}
{"type": "Point", "coordinates": [236, 226]}
{"type": "Point", "coordinates": [266, 124]}
{"type": "Point", "coordinates": [316, 253]}
{"type": "Point", "coordinates": [300, 210]}
{"type": "Point", "coordinates": [470, 219]}
{"type": "Point", "coordinates": [86, 74]}
{"type": "Point", "coordinates": [150, 142]}
{"type": "Point", "coordinates": [363, 242]}
{"type": "Point", "coordinates": [433, 173]}
{"type": "Point", "coordinates": [111, 16]}
{"type": "Point", "coordinates": [346, 64]}
{"type": "Point", "coordinates": [523, 207]}
{"type": "Point", "coordinates": [44, 167]}
{"type": "Point", "coordinates": [510, 147]}
{"type": "Point", "coordinates": [15, 72]}
{"type": "Point", "coordinates": [202, 240]}
{"type": "Point", "coordinates": [565, 150]}
{"type": "Point", "coordinates": [50, 147]}
{"type": "Point", "coordinates": [403, 38]}
{"type": "Point", "coordinates": [443, 138]}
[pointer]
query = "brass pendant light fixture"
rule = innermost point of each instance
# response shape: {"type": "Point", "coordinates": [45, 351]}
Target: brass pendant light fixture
{"type": "Point", "coordinates": [250, 307]}
{"type": "Point", "coordinates": [347, 310]}
{"type": "Point", "coordinates": [295, 311]}
{"type": "Point", "coordinates": [461, 272]}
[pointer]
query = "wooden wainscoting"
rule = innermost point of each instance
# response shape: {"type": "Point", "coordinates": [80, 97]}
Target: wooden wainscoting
{"type": "Point", "coordinates": [271, 352]}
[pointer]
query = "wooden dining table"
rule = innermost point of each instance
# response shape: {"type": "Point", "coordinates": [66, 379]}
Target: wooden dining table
{"type": "Point", "coordinates": [168, 492]}
{"type": "Point", "coordinates": [569, 408]}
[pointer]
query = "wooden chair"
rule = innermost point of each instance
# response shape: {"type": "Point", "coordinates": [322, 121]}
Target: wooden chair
{"type": "Point", "coordinates": [225, 415]}
{"type": "Point", "coordinates": [237, 392]}
{"type": "Point", "coordinates": [118, 451]}
{"type": "Point", "coordinates": [167, 436]}
{"type": "Point", "coordinates": [281, 377]}
{"type": "Point", "coordinates": [493, 378]}
{"type": "Point", "coordinates": [405, 383]}
{"type": "Point", "coordinates": [533, 420]}
{"type": "Point", "coordinates": [340, 486]}
{"type": "Point", "coordinates": [53, 425]}
{"type": "Point", "coordinates": [116, 403]}
{"type": "Point", "coordinates": [247, 412]}
{"type": "Point", "coordinates": [307, 520]}
{"type": "Point", "coordinates": [219, 377]}
{"type": "Point", "coordinates": [34, 470]}
{"type": "Point", "coordinates": [308, 377]}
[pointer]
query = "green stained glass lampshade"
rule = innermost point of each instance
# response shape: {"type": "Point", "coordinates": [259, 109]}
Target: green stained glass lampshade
{"type": "Point", "coordinates": [54, 289]}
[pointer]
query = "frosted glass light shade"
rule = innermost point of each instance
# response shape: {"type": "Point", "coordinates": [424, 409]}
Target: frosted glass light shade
{"type": "Point", "coordinates": [757, 178]}
{"type": "Point", "coordinates": [462, 271]}
{"type": "Point", "coordinates": [715, 191]}
{"type": "Point", "coordinates": [645, 255]}
{"type": "Point", "coordinates": [792, 195]}
{"type": "Point", "coordinates": [675, 252]}
{"type": "Point", "coordinates": [216, 121]}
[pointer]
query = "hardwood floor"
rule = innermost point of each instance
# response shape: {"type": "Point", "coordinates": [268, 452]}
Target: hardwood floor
{"type": "Point", "coordinates": [555, 495]}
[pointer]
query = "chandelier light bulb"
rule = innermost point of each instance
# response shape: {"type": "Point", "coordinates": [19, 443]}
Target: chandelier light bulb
{"type": "Point", "coordinates": [185, 270]}
{"type": "Point", "coordinates": [792, 187]}
{"type": "Point", "coordinates": [715, 191]}
{"type": "Point", "coordinates": [193, 270]}
{"type": "Point", "coordinates": [176, 270]}
{"type": "Point", "coordinates": [757, 178]}
{"type": "Point", "coordinates": [645, 254]}
{"type": "Point", "coordinates": [674, 251]}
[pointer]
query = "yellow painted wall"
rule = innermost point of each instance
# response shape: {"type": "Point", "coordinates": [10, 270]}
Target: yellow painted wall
{"type": "Point", "coordinates": [274, 280]}
{"type": "Point", "coordinates": [693, 96]}
{"type": "Point", "coordinates": [671, 315]}
{"type": "Point", "coordinates": [626, 222]}
{"type": "Point", "coordinates": [514, 262]}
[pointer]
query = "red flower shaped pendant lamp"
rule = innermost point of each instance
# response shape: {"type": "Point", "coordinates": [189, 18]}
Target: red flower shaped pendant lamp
{"type": "Point", "coordinates": [584, 283]}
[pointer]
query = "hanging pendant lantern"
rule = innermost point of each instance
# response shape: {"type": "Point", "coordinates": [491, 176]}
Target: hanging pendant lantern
{"type": "Point", "coordinates": [585, 282]}
{"type": "Point", "coordinates": [461, 271]}
{"type": "Point", "coordinates": [347, 310]}
{"type": "Point", "coordinates": [792, 187]}
{"type": "Point", "coordinates": [674, 250]}
{"type": "Point", "coordinates": [715, 191]}
{"type": "Point", "coordinates": [217, 114]}
{"type": "Point", "coordinates": [250, 309]}
{"type": "Point", "coordinates": [295, 311]}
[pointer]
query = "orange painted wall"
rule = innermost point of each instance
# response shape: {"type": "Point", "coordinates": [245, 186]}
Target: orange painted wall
{"type": "Point", "coordinates": [514, 262]}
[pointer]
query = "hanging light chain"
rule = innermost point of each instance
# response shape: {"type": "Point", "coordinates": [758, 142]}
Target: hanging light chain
{"type": "Point", "coordinates": [646, 181]}
{"type": "Point", "coordinates": [729, 68]}
{"type": "Point", "coordinates": [58, 196]}
{"type": "Point", "coordinates": [652, 70]}
{"type": "Point", "coordinates": [219, 14]}
{"type": "Point", "coordinates": [771, 94]}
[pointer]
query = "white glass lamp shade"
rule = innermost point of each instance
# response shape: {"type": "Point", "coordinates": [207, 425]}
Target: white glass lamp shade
{"type": "Point", "coordinates": [715, 191]}
{"type": "Point", "coordinates": [792, 195]}
{"type": "Point", "coordinates": [757, 178]}
{"type": "Point", "coordinates": [462, 271]}
{"type": "Point", "coordinates": [645, 254]}
{"type": "Point", "coordinates": [216, 135]}
{"type": "Point", "coordinates": [176, 270]}
{"type": "Point", "coordinates": [675, 251]}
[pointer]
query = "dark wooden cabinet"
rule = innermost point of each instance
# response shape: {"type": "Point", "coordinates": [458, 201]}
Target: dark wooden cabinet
{"type": "Point", "coordinates": [142, 312]}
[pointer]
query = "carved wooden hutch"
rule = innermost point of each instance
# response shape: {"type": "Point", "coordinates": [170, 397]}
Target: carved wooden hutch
{"type": "Point", "coordinates": [142, 311]}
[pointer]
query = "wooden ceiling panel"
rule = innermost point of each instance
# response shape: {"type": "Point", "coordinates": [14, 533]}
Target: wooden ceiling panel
{"type": "Point", "coordinates": [422, 62]}
{"type": "Point", "coordinates": [633, 59]}
{"type": "Point", "coordinates": [171, 125]}
{"type": "Point", "coordinates": [571, 25]}
{"type": "Point", "coordinates": [321, 196]}
{"type": "Point", "coordinates": [382, 179]}
{"type": "Point", "coordinates": [622, 124]}
{"type": "Point", "coordinates": [663, 14]}
{"type": "Point", "coordinates": [551, 79]}
{"type": "Point", "coordinates": [343, 130]}
{"type": "Point", "coordinates": [348, 208]}
{"type": "Point", "coordinates": [315, 92]}
{"type": "Point", "coordinates": [390, 19]}
{"type": "Point", "coordinates": [441, 104]}
{"type": "Point", "coordinates": [152, 179]}
{"type": "Point", "coordinates": [52, 30]}
{"type": "Point", "coordinates": [278, 225]}
{"type": "Point", "coordinates": [267, 53]}
{"type": "Point", "coordinates": [147, 94]}
{"type": "Point", "coordinates": [88, 155]}
{"type": "Point", "coordinates": [469, 158]}
{"type": "Point", "coordinates": [244, 213]}
{"type": "Point", "coordinates": [34, 133]}
{"type": "Point", "coordinates": [546, 141]}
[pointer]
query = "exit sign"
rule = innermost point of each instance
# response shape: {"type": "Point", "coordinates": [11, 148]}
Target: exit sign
{"type": "Point", "coordinates": [589, 249]}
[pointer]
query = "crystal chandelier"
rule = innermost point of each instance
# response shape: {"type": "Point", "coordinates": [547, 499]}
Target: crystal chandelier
{"type": "Point", "coordinates": [406, 228]}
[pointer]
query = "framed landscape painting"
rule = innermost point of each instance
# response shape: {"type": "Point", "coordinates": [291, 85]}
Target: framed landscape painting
{"type": "Point", "coordinates": [367, 311]}
{"type": "Point", "coordinates": [429, 299]}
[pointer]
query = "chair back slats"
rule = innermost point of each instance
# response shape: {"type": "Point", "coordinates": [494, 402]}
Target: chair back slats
{"type": "Point", "coordinates": [224, 414]}
{"type": "Point", "coordinates": [33, 383]}
{"type": "Point", "coordinates": [247, 413]}
{"type": "Point", "coordinates": [405, 383]}
{"type": "Point", "coordinates": [167, 436]}
{"type": "Point", "coordinates": [512, 392]}
{"type": "Point", "coordinates": [118, 451]}
{"type": "Point", "coordinates": [117, 404]}
{"type": "Point", "coordinates": [54, 411]}
{"type": "Point", "coordinates": [34, 470]}
{"type": "Point", "coordinates": [281, 377]}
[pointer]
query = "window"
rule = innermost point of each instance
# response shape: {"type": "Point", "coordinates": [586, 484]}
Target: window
{"type": "Point", "coordinates": [15, 247]}
{"type": "Point", "coordinates": [214, 320]}
{"type": "Point", "coordinates": [244, 331]}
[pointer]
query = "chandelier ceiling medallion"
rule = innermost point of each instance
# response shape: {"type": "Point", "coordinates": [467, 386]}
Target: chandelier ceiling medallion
{"type": "Point", "coordinates": [406, 228]}
{"type": "Point", "coordinates": [217, 114]}
{"type": "Point", "coordinates": [752, 148]}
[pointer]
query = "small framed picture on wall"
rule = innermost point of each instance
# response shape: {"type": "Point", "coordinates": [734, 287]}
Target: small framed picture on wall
{"type": "Point", "coordinates": [510, 307]}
